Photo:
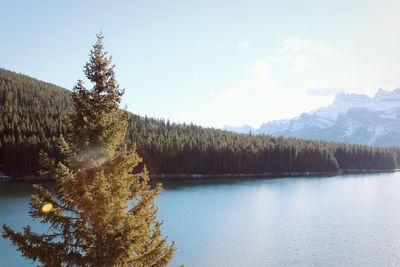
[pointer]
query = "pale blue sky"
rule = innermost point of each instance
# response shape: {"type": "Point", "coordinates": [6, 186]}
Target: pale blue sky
{"type": "Point", "coordinates": [212, 62]}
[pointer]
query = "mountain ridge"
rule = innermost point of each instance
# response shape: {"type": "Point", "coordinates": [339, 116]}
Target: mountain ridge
{"type": "Point", "coordinates": [350, 118]}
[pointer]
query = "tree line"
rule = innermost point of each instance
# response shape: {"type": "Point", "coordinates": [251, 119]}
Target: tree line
{"type": "Point", "coordinates": [31, 120]}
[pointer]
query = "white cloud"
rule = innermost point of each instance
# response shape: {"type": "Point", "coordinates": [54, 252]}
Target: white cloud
{"type": "Point", "coordinates": [304, 55]}
{"type": "Point", "coordinates": [325, 91]}
{"type": "Point", "coordinates": [259, 68]}
{"type": "Point", "coordinates": [302, 75]}
{"type": "Point", "coordinates": [300, 63]}
{"type": "Point", "coordinates": [296, 44]}
{"type": "Point", "coordinates": [243, 45]}
{"type": "Point", "coordinates": [257, 98]}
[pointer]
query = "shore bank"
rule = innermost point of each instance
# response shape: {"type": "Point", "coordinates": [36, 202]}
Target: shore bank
{"type": "Point", "coordinates": [264, 175]}
{"type": "Point", "coordinates": [214, 176]}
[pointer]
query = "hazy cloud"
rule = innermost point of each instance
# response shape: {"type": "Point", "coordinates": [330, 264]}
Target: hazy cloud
{"type": "Point", "coordinates": [324, 91]}
{"type": "Point", "coordinates": [296, 44]}
{"type": "Point", "coordinates": [243, 45]}
{"type": "Point", "coordinates": [258, 97]}
{"type": "Point", "coordinates": [300, 63]}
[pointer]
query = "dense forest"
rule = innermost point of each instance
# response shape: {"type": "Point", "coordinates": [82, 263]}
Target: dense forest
{"type": "Point", "coordinates": [32, 111]}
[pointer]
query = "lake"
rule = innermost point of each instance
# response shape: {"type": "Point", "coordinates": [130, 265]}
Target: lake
{"type": "Point", "coordinates": [346, 220]}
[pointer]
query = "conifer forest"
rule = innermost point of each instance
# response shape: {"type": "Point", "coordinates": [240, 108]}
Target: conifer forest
{"type": "Point", "coordinates": [32, 118]}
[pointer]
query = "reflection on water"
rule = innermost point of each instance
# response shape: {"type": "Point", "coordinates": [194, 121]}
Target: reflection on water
{"type": "Point", "coordinates": [351, 220]}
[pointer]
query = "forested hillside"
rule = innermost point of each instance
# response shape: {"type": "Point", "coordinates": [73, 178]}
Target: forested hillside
{"type": "Point", "coordinates": [30, 120]}
{"type": "Point", "coordinates": [31, 113]}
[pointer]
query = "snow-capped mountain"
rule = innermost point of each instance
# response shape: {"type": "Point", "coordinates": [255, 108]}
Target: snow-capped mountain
{"type": "Point", "coordinates": [351, 118]}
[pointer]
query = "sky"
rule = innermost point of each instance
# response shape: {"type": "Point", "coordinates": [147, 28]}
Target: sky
{"type": "Point", "coordinates": [213, 63]}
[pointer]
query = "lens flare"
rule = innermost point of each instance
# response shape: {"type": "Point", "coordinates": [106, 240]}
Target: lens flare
{"type": "Point", "coordinates": [47, 207]}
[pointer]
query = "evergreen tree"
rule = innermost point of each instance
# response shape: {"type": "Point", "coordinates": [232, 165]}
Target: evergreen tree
{"type": "Point", "coordinates": [102, 213]}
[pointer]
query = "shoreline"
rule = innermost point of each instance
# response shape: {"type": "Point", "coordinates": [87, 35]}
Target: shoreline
{"type": "Point", "coordinates": [262, 175]}
{"type": "Point", "coordinates": [171, 177]}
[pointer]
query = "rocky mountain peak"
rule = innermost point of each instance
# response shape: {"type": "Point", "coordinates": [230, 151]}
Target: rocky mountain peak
{"type": "Point", "coordinates": [351, 118]}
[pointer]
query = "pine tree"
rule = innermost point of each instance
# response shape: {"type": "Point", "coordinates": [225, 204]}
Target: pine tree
{"type": "Point", "coordinates": [101, 213]}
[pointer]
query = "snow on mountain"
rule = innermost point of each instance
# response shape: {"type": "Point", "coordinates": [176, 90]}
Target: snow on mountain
{"type": "Point", "coordinates": [351, 118]}
{"type": "Point", "coordinates": [342, 103]}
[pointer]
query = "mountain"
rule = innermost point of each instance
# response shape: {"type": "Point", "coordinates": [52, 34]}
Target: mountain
{"type": "Point", "coordinates": [32, 116]}
{"type": "Point", "coordinates": [351, 118]}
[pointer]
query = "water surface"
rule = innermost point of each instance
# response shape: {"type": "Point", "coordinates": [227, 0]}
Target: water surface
{"type": "Point", "coordinates": [349, 220]}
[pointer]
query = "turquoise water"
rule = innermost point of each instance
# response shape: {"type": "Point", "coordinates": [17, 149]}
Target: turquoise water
{"type": "Point", "coordinates": [349, 220]}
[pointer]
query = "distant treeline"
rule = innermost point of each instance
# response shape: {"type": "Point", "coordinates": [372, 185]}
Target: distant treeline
{"type": "Point", "coordinates": [31, 114]}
